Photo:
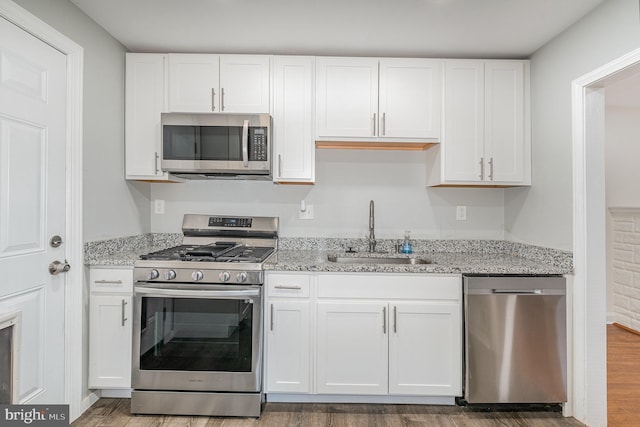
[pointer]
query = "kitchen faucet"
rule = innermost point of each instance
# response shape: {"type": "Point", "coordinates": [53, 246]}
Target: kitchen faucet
{"type": "Point", "coordinates": [372, 234]}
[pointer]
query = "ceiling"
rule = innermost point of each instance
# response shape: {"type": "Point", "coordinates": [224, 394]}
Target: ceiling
{"type": "Point", "coordinates": [414, 28]}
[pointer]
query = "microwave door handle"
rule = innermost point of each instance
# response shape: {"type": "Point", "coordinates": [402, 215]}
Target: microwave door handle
{"type": "Point", "coordinates": [245, 143]}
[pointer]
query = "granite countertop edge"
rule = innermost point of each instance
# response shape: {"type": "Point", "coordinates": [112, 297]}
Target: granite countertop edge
{"type": "Point", "coordinates": [310, 255]}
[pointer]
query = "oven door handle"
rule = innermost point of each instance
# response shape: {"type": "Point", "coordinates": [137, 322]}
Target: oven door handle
{"type": "Point", "coordinates": [179, 293]}
{"type": "Point", "coordinates": [245, 143]}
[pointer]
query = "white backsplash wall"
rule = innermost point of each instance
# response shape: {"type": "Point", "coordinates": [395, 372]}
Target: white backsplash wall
{"type": "Point", "coordinates": [345, 182]}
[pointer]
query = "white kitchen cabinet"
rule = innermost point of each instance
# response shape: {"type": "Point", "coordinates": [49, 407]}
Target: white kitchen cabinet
{"type": "Point", "coordinates": [288, 346]}
{"type": "Point", "coordinates": [110, 331]}
{"type": "Point", "coordinates": [352, 356]}
{"type": "Point", "coordinates": [144, 101]}
{"type": "Point", "coordinates": [389, 334]}
{"type": "Point", "coordinates": [373, 99]}
{"type": "Point", "coordinates": [425, 348]}
{"type": "Point", "coordinates": [293, 119]}
{"type": "Point", "coordinates": [410, 97]}
{"type": "Point", "coordinates": [205, 83]}
{"type": "Point", "coordinates": [486, 132]}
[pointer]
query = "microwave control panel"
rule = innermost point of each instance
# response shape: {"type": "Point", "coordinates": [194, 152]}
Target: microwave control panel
{"type": "Point", "coordinates": [258, 144]}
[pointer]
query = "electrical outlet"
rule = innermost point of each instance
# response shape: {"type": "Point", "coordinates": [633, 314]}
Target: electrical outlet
{"type": "Point", "coordinates": [461, 213]}
{"type": "Point", "coordinates": [158, 206]}
{"type": "Point", "coordinates": [307, 213]}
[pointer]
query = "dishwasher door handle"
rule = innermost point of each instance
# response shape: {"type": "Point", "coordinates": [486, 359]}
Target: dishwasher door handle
{"type": "Point", "coordinates": [517, 291]}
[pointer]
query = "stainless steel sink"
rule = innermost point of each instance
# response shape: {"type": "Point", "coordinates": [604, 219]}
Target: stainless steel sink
{"type": "Point", "coordinates": [376, 260]}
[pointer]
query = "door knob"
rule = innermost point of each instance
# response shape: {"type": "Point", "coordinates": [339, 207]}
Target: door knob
{"type": "Point", "coordinates": [57, 267]}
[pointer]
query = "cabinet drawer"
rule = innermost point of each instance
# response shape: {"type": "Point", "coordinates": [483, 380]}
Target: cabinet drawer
{"type": "Point", "coordinates": [288, 285]}
{"type": "Point", "coordinates": [390, 286]}
{"type": "Point", "coordinates": [111, 280]}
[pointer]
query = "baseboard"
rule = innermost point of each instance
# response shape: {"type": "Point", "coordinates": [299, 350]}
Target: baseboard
{"type": "Point", "coordinates": [119, 393]}
{"type": "Point", "coordinates": [87, 402]}
{"type": "Point", "coordinates": [380, 399]}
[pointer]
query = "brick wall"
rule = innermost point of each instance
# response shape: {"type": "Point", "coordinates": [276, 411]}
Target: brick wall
{"type": "Point", "coordinates": [625, 265]}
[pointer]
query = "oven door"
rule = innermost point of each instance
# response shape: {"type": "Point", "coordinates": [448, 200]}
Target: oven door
{"type": "Point", "coordinates": [197, 337]}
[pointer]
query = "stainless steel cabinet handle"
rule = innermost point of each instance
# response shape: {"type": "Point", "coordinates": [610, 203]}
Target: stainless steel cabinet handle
{"type": "Point", "coordinates": [213, 99]}
{"type": "Point", "coordinates": [157, 157]}
{"type": "Point", "coordinates": [124, 319]}
{"type": "Point", "coordinates": [384, 320]}
{"type": "Point", "coordinates": [482, 168]}
{"type": "Point", "coordinates": [517, 291]}
{"type": "Point", "coordinates": [271, 318]}
{"type": "Point", "coordinates": [279, 166]}
{"type": "Point", "coordinates": [374, 124]}
{"type": "Point", "coordinates": [221, 99]}
{"type": "Point", "coordinates": [491, 168]}
{"type": "Point", "coordinates": [384, 124]}
{"type": "Point", "coordinates": [297, 288]}
{"type": "Point", "coordinates": [395, 319]}
{"type": "Point", "coordinates": [110, 282]}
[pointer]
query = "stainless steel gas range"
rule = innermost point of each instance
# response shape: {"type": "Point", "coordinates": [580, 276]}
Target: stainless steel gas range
{"type": "Point", "coordinates": [197, 330]}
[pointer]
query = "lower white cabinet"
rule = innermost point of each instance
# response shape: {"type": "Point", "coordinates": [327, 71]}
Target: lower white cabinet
{"type": "Point", "coordinates": [352, 355]}
{"type": "Point", "coordinates": [110, 318]}
{"type": "Point", "coordinates": [371, 334]}
{"type": "Point", "coordinates": [288, 354]}
{"type": "Point", "coordinates": [425, 348]}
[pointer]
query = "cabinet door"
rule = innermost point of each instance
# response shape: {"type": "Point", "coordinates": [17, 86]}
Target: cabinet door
{"type": "Point", "coordinates": [463, 133]}
{"type": "Point", "coordinates": [347, 97]}
{"type": "Point", "coordinates": [194, 83]}
{"type": "Point", "coordinates": [352, 348]}
{"type": "Point", "coordinates": [288, 347]}
{"type": "Point", "coordinates": [504, 121]}
{"type": "Point", "coordinates": [294, 145]}
{"type": "Point", "coordinates": [110, 339]}
{"type": "Point", "coordinates": [425, 348]}
{"type": "Point", "coordinates": [410, 97]}
{"type": "Point", "coordinates": [244, 84]}
{"type": "Point", "coordinates": [144, 101]}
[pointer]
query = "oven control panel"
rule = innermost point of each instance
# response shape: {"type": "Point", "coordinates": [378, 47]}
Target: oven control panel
{"type": "Point", "coordinates": [216, 221]}
{"type": "Point", "coordinates": [203, 276]}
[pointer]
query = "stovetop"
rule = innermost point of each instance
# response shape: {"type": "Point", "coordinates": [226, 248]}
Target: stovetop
{"type": "Point", "coordinates": [214, 252]}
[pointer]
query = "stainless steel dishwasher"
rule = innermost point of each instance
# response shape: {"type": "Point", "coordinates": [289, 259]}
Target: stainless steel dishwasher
{"type": "Point", "coordinates": [516, 340]}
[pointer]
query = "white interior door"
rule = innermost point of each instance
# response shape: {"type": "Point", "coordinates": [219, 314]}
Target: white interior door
{"type": "Point", "coordinates": [32, 206]}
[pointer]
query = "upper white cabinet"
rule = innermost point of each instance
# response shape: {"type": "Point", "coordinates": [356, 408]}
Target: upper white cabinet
{"type": "Point", "coordinates": [486, 132]}
{"type": "Point", "coordinates": [293, 116]}
{"type": "Point", "coordinates": [144, 101]}
{"type": "Point", "coordinates": [374, 99]}
{"type": "Point", "coordinates": [204, 83]}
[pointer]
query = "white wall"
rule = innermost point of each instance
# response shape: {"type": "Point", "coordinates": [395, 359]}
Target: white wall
{"type": "Point", "coordinates": [622, 173]}
{"type": "Point", "coordinates": [112, 206]}
{"type": "Point", "coordinates": [542, 215]}
{"type": "Point", "coordinates": [345, 182]}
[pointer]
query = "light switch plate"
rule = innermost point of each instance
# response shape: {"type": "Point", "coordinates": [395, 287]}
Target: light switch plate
{"type": "Point", "coordinates": [461, 213]}
{"type": "Point", "coordinates": [307, 214]}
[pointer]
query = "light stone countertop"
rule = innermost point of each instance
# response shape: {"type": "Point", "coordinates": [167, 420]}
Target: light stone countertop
{"type": "Point", "coordinates": [443, 263]}
{"type": "Point", "coordinates": [310, 254]}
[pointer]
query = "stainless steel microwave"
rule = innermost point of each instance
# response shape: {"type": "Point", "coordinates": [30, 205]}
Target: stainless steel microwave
{"type": "Point", "coordinates": [208, 145]}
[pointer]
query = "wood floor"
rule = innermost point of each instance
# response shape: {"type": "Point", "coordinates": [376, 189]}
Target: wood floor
{"type": "Point", "coordinates": [115, 412]}
{"type": "Point", "coordinates": [623, 377]}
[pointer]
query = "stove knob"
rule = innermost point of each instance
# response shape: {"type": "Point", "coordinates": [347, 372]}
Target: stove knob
{"type": "Point", "coordinates": [170, 275]}
{"type": "Point", "coordinates": [241, 277]}
{"type": "Point", "coordinates": [153, 274]}
{"type": "Point", "coordinates": [224, 276]}
{"type": "Point", "coordinates": [197, 275]}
